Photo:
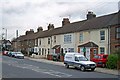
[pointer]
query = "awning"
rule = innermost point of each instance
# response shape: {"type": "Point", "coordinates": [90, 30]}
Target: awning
{"type": "Point", "coordinates": [89, 44]}
{"type": "Point", "coordinates": [56, 46]}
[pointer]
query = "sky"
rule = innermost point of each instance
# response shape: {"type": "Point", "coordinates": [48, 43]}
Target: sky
{"type": "Point", "coordinates": [23, 15]}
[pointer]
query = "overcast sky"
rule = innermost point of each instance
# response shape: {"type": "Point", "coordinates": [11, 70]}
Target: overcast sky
{"type": "Point", "coordinates": [24, 15]}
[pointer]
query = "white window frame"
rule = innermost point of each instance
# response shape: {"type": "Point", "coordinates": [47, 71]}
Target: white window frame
{"type": "Point", "coordinates": [102, 52]}
{"type": "Point", "coordinates": [102, 35]}
{"type": "Point", "coordinates": [54, 39]}
{"type": "Point", "coordinates": [67, 38]}
{"type": "Point", "coordinates": [81, 37]}
{"type": "Point", "coordinates": [48, 40]}
{"type": "Point", "coordinates": [39, 41]}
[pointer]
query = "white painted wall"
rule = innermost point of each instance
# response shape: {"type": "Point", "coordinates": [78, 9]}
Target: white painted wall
{"type": "Point", "coordinates": [94, 36]}
{"type": "Point", "coordinates": [88, 35]}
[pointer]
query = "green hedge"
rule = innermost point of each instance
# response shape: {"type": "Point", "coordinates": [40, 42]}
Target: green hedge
{"type": "Point", "coordinates": [113, 60]}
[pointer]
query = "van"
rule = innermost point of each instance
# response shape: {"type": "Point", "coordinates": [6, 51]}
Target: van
{"type": "Point", "coordinates": [78, 61]}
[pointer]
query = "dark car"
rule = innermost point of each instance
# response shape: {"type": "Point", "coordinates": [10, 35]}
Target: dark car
{"type": "Point", "coordinates": [100, 59]}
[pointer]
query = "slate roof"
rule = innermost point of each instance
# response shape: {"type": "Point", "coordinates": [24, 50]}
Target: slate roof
{"type": "Point", "coordinates": [95, 23]}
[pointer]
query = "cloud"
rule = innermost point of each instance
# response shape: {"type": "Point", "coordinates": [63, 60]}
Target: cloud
{"type": "Point", "coordinates": [23, 15]}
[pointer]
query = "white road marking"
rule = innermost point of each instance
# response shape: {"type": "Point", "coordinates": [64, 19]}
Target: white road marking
{"type": "Point", "coordinates": [37, 69]}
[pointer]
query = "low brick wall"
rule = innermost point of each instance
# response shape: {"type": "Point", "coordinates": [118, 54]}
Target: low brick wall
{"type": "Point", "coordinates": [49, 57]}
{"type": "Point", "coordinates": [38, 56]}
{"type": "Point", "coordinates": [62, 58]}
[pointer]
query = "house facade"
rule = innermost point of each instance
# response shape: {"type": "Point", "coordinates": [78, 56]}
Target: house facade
{"type": "Point", "coordinates": [95, 35]}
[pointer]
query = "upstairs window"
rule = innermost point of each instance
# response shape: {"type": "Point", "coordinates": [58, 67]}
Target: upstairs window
{"type": "Point", "coordinates": [118, 33]}
{"type": "Point", "coordinates": [48, 40]}
{"type": "Point", "coordinates": [102, 35]}
{"type": "Point", "coordinates": [67, 38]}
{"type": "Point", "coordinates": [54, 39]}
{"type": "Point", "coordinates": [40, 41]}
{"type": "Point", "coordinates": [81, 37]}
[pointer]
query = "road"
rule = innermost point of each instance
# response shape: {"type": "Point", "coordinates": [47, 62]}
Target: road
{"type": "Point", "coordinates": [25, 68]}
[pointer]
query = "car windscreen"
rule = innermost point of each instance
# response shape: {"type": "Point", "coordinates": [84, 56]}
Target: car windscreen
{"type": "Point", "coordinates": [83, 59]}
{"type": "Point", "coordinates": [13, 52]}
{"type": "Point", "coordinates": [18, 53]}
{"type": "Point", "coordinates": [97, 57]}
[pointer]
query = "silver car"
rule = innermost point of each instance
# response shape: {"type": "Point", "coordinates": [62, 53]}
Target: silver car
{"type": "Point", "coordinates": [19, 55]}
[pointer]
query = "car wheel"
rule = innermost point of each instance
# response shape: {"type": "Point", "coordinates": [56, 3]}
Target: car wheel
{"type": "Point", "coordinates": [82, 68]}
{"type": "Point", "coordinates": [13, 56]}
{"type": "Point", "coordinates": [92, 69]}
{"type": "Point", "coordinates": [66, 65]}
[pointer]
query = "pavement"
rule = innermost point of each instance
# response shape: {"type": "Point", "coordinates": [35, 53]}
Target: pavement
{"type": "Point", "coordinates": [98, 69]}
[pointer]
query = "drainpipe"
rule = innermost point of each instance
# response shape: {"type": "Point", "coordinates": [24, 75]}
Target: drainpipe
{"type": "Point", "coordinates": [51, 44]}
{"type": "Point", "coordinates": [108, 39]}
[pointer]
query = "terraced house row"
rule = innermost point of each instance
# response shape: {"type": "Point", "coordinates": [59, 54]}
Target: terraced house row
{"type": "Point", "coordinates": [94, 35]}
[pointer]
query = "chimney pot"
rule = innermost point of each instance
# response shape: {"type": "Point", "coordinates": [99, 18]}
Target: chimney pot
{"type": "Point", "coordinates": [50, 26]}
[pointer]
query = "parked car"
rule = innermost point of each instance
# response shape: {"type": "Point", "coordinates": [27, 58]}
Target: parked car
{"type": "Point", "coordinates": [100, 59]}
{"type": "Point", "coordinates": [19, 55]}
{"type": "Point", "coordinates": [4, 52]}
{"type": "Point", "coordinates": [11, 54]}
{"type": "Point", "coordinates": [78, 61]}
{"type": "Point", "coordinates": [8, 53]}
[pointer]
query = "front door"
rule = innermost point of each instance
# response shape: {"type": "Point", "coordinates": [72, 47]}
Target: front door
{"type": "Point", "coordinates": [93, 51]}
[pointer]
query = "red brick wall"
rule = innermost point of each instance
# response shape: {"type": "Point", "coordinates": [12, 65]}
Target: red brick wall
{"type": "Point", "coordinates": [113, 40]}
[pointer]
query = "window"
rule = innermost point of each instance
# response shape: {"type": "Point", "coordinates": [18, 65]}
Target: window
{"type": "Point", "coordinates": [65, 50]}
{"type": "Point", "coordinates": [42, 51]}
{"type": "Point", "coordinates": [45, 52]}
{"type": "Point", "coordinates": [54, 39]}
{"type": "Point", "coordinates": [48, 40]}
{"type": "Point", "coordinates": [48, 50]}
{"type": "Point", "coordinates": [102, 50]}
{"type": "Point", "coordinates": [36, 42]}
{"type": "Point", "coordinates": [39, 51]}
{"type": "Point", "coordinates": [95, 51]}
{"type": "Point", "coordinates": [76, 59]}
{"type": "Point", "coordinates": [67, 38]}
{"type": "Point", "coordinates": [70, 49]}
{"type": "Point", "coordinates": [40, 41]}
{"type": "Point", "coordinates": [118, 32]}
{"type": "Point", "coordinates": [81, 37]}
{"type": "Point", "coordinates": [102, 35]}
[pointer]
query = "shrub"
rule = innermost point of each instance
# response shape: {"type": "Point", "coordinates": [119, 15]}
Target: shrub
{"type": "Point", "coordinates": [112, 61]}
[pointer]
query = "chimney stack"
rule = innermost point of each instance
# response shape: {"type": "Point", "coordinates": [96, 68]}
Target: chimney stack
{"type": "Point", "coordinates": [39, 29]}
{"type": "Point", "coordinates": [29, 32]}
{"type": "Point", "coordinates": [50, 26]}
{"type": "Point", "coordinates": [65, 21]}
{"type": "Point", "coordinates": [90, 15]}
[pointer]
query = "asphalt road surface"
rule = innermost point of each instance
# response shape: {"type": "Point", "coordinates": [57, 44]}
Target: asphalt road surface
{"type": "Point", "coordinates": [25, 68]}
